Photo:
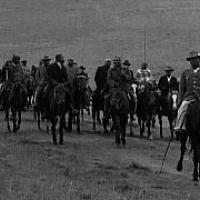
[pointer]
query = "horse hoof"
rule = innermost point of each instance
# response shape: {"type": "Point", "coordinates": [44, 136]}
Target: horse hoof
{"type": "Point", "coordinates": [150, 137]}
{"type": "Point", "coordinates": [55, 142]}
{"type": "Point", "coordinates": [61, 142]}
{"type": "Point", "coordinates": [179, 167]}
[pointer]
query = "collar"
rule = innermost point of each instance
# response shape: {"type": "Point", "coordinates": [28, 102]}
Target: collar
{"type": "Point", "coordinates": [60, 66]}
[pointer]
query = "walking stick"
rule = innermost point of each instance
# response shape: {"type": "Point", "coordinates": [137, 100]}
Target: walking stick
{"type": "Point", "coordinates": [165, 155]}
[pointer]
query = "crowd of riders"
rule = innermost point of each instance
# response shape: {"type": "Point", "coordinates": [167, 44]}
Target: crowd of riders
{"type": "Point", "coordinates": [114, 73]}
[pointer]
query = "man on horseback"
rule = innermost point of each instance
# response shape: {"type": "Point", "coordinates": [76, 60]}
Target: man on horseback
{"type": "Point", "coordinates": [189, 88]}
{"type": "Point", "coordinates": [12, 75]}
{"type": "Point", "coordinates": [167, 83]}
{"type": "Point", "coordinates": [120, 77]}
{"type": "Point", "coordinates": [57, 74]}
{"type": "Point", "coordinates": [101, 75]}
{"type": "Point", "coordinates": [41, 78]}
{"type": "Point", "coordinates": [144, 73]}
{"type": "Point", "coordinates": [127, 80]}
{"type": "Point", "coordinates": [82, 78]}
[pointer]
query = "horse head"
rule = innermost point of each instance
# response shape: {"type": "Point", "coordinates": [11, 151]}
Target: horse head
{"type": "Point", "coordinates": [60, 96]}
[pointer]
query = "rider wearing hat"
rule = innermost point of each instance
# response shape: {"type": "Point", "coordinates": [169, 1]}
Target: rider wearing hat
{"type": "Point", "coordinates": [41, 77]}
{"type": "Point", "coordinates": [13, 74]}
{"type": "Point", "coordinates": [101, 76]}
{"type": "Point", "coordinates": [188, 90]}
{"type": "Point", "coordinates": [57, 74]}
{"type": "Point", "coordinates": [144, 73]}
{"type": "Point", "coordinates": [83, 77]}
{"type": "Point", "coordinates": [167, 84]}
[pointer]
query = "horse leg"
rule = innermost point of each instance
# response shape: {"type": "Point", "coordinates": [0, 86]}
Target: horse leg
{"type": "Point", "coordinates": [195, 161]}
{"type": "Point", "coordinates": [105, 123]}
{"type": "Point", "coordinates": [131, 127]}
{"type": "Point", "coordinates": [53, 129]}
{"type": "Point", "coordinates": [19, 120]}
{"type": "Point", "coordinates": [149, 128]}
{"type": "Point", "coordinates": [14, 121]}
{"type": "Point", "coordinates": [123, 131]}
{"type": "Point", "coordinates": [160, 124]}
{"type": "Point", "coordinates": [78, 123]}
{"type": "Point", "coordinates": [153, 121]}
{"type": "Point", "coordinates": [82, 115]}
{"type": "Point", "coordinates": [38, 119]}
{"type": "Point", "coordinates": [98, 117]}
{"type": "Point", "coordinates": [116, 123]}
{"type": "Point", "coordinates": [7, 119]}
{"type": "Point", "coordinates": [141, 125]}
{"type": "Point", "coordinates": [94, 119]}
{"type": "Point", "coordinates": [171, 127]}
{"type": "Point", "coordinates": [70, 122]}
{"type": "Point", "coordinates": [183, 148]}
{"type": "Point", "coordinates": [62, 122]}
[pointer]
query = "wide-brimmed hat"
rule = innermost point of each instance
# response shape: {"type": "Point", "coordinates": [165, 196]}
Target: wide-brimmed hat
{"type": "Point", "coordinates": [108, 60]}
{"type": "Point", "coordinates": [16, 58]}
{"type": "Point", "coordinates": [168, 68]}
{"type": "Point", "coordinates": [82, 67]}
{"type": "Point", "coordinates": [117, 59]}
{"type": "Point", "coordinates": [192, 55]}
{"type": "Point", "coordinates": [59, 57]}
{"type": "Point", "coordinates": [24, 62]}
{"type": "Point", "coordinates": [126, 63]}
{"type": "Point", "coordinates": [46, 58]}
{"type": "Point", "coordinates": [70, 60]}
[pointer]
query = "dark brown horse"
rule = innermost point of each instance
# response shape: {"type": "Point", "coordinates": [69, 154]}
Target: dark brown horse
{"type": "Point", "coordinates": [147, 106]}
{"type": "Point", "coordinates": [193, 133]}
{"type": "Point", "coordinates": [80, 92]}
{"type": "Point", "coordinates": [30, 85]}
{"type": "Point", "coordinates": [97, 107]}
{"type": "Point", "coordinates": [13, 102]}
{"type": "Point", "coordinates": [119, 109]}
{"type": "Point", "coordinates": [168, 108]}
{"type": "Point", "coordinates": [58, 107]}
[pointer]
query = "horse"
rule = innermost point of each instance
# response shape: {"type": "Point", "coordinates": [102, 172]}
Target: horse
{"type": "Point", "coordinates": [168, 108]}
{"type": "Point", "coordinates": [147, 106]}
{"type": "Point", "coordinates": [97, 107]}
{"type": "Point", "coordinates": [193, 134]}
{"type": "Point", "coordinates": [13, 103]}
{"type": "Point", "coordinates": [38, 111]}
{"type": "Point", "coordinates": [57, 108]}
{"type": "Point", "coordinates": [119, 108]}
{"type": "Point", "coordinates": [30, 90]}
{"type": "Point", "coordinates": [79, 93]}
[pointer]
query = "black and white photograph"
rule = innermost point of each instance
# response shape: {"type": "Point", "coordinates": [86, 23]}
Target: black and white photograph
{"type": "Point", "coordinates": [99, 99]}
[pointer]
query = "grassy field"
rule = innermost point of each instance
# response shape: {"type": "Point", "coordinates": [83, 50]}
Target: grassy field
{"type": "Point", "coordinates": [88, 166]}
{"type": "Point", "coordinates": [92, 30]}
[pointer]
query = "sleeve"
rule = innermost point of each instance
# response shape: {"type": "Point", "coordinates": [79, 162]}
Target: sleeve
{"type": "Point", "coordinates": [50, 77]}
{"type": "Point", "coordinates": [182, 87]}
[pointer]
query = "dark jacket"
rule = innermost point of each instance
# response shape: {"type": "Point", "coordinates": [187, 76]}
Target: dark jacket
{"type": "Point", "coordinates": [165, 86]}
{"type": "Point", "coordinates": [101, 77]}
{"type": "Point", "coordinates": [56, 74]}
{"type": "Point", "coordinates": [189, 84]}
